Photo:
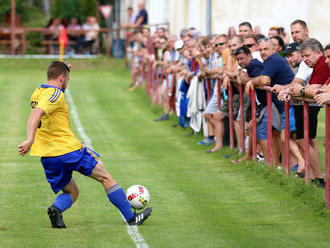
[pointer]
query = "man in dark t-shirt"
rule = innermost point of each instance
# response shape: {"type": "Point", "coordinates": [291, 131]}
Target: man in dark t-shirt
{"type": "Point", "coordinates": [140, 19]}
{"type": "Point", "coordinates": [254, 69]}
{"type": "Point", "coordinates": [276, 70]}
{"type": "Point", "coordinates": [142, 16]}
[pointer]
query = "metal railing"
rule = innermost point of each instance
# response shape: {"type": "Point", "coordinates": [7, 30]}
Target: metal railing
{"type": "Point", "coordinates": [151, 82]}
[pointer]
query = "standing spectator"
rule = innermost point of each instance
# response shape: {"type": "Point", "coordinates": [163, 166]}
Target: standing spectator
{"type": "Point", "coordinates": [276, 71]}
{"type": "Point", "coordinates": [253, 68]}
{"type": "Point", "coordinates": [273, 31]}
{"type": "Point", "coordinates": [278, 43]}
{"type": "Point", "coordinates": [257, 30]}
{"type": "Point", "coordinates": [192, 70]}
{"type": "Point", "coordinates": [170, 56]}
{"type": "Point", "coordinates": [252, 43]}
{"type": "Point", "coordinates": [245, 29]}
{"type": "Point", "coordinates": [140, 19]}
{"type": "Point", "coordinates": [161, 32]}
{"type": "Point", "coordinates": [147, 39]}
{"type": "Point", "coordinates": [131, 16]}
{"type": "Point", "coordinates": [218, 60]}
{"type": "Point", "coordinates": [285, 36]}
{"type": "Point", "coordinates": [217, 118]}
{"type": "Point", "coordinates": [231, 32]}
{"type": "Point", "coordinates": [142, 16]}
{"type": "Point", "coordinates": [294, 59]}
{"type": "Point", "coordinates": [232, 69]}
{"type": "Point", "coordinates": [299, 31]}
{"type": "Point", "coordinates": [91, 27]}
{"type": "Point", "coordinates": [312, 53]}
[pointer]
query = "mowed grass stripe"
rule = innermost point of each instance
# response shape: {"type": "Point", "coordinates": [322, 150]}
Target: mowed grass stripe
{"type": "Point", "coordinates": [199, 200]}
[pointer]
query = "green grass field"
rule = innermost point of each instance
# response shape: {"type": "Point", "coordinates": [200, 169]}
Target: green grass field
{"type": "Point", "coordinates": [198, 199]}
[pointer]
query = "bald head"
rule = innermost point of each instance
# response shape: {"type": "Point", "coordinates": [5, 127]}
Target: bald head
{"type": "Point", "coordinates": [141, 5]}
{"type": "Point", "coordinates": [266, 48]}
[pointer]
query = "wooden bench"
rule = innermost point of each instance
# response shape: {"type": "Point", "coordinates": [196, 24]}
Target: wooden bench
{"type": "Point", "coordinates": [51, 43]}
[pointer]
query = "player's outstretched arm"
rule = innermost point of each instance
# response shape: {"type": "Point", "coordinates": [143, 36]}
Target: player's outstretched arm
{"type": "Point", "coordinates": [32, 126]}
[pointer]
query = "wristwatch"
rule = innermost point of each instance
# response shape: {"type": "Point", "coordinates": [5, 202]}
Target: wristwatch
{"type": "Point", "coordinates": [302, 91]}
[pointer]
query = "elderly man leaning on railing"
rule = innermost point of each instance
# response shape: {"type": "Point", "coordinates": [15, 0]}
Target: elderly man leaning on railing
{"type": "Point", "coordinates": [312, 53]}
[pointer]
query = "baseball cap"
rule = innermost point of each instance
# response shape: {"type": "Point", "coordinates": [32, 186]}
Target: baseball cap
{"type": "Point", "coordinates": [178, 44]}
{"type": "Point", "coordinates": [292, 47]}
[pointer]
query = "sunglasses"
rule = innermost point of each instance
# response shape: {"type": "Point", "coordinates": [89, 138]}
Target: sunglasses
{"type": "Point", "coordinates": [249, 45]}
{"type": "Point", "coordinates": [262, 39]}
{"type": "Point", "coordinates": [220, 44]}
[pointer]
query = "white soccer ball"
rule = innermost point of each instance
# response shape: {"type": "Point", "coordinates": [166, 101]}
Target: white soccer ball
{"type": "Point", "coordinates": [138, 196]}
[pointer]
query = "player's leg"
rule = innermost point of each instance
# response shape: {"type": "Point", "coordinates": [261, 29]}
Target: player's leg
{"type": "Point", "coordinates": [63, 202]}
{"type": "Point", "coordinates": [117, 195]}
{"type": "Point", "coordinates": [72, 190]}
{"type": "Point", "coordinates": [59, 176]}
{"type": "Point", "coordinates": [69, 196]}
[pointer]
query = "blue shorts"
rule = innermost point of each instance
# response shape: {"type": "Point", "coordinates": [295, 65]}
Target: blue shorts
{"type": "Point", "coordinates": [292, 124]}
{"type": "Point", "coordinates": [262, 127]}
{"type": "Point", "coordinates": [59, 169]}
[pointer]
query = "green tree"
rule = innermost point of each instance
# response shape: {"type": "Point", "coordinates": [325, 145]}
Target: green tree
{"type": "Point", "coordinates": [73, 8]}
{"type": "Point", "coordinates": [27, 10]}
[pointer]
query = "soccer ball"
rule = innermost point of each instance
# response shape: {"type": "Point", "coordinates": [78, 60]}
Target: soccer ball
{"type": "Point", "coordinates": [138, 196]}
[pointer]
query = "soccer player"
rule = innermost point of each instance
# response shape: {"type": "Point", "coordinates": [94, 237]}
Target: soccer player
{"type": "Point", "coordinates": [49, 136]}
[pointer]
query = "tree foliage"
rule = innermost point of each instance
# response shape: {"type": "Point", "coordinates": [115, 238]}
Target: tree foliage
{"type": "Point", "coordinates": [31, 11]}
{"type": "Point", "coordinates": [25, 9]}
{"type": "Point", "coordinates": [74, 8]}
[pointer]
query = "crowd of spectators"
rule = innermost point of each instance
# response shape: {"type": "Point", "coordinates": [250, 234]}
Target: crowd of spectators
{"type": "Point", "coordinates": [191, 75]}
{"type": "Point", "coordinates": [82, 37]}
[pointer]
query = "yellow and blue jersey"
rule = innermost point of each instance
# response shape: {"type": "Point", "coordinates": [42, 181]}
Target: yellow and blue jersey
{"type": "Point", "coordinates": [54, 136]}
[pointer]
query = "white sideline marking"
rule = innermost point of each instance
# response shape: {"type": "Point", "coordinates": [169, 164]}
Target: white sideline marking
{"type": "Point", "coordinates": [132, 231]}
{"type": "Point", "coordinates": [76, 120]}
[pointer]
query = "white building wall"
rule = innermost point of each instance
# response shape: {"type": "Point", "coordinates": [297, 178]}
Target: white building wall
{"type": "Point", "coordinates": [226, 13]}
{"type": "Point", "coordinates": [178, 15]}
{"type": "Point", "coordinates": [268, 13]}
